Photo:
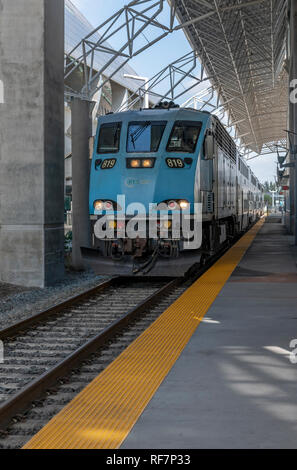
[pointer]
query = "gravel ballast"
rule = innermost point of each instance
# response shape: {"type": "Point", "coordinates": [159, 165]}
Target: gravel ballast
{"type": "Point", "coordinates": [18, 303]}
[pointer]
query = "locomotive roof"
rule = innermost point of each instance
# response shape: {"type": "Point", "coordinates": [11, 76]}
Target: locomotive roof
{"type": "Point", "coordinates": [157, 113]}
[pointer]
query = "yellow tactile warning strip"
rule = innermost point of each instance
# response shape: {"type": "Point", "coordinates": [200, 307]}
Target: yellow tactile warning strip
{"type": "Point", "coordinates": [103, 414]}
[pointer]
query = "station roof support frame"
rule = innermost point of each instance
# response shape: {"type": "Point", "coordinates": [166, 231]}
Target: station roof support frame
{"type": "Point", "coordinates": [242, 49]}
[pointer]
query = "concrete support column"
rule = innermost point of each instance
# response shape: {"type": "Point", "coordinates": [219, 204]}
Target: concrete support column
{"type": "Point", "coordinates": [81, 132]}
{"type": "Point", "coordinates": [32, 141]}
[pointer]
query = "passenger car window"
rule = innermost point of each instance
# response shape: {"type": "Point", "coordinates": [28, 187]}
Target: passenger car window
{"type": "Point", "coordinates": [145, 136]}
{"type": "Point", "coordinates": [184, 136]}
{"type": "Point", "coordinates": [109, 137]}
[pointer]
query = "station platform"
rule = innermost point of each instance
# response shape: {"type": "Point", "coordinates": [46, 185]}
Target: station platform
{"type": "Point", "coordinates": [219, 377]}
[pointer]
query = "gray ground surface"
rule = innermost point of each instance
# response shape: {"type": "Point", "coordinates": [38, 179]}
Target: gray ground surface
{"type": "Point", "coordinates": [234, 385]}
{"type": "Point", "coordinates": [17, 303]}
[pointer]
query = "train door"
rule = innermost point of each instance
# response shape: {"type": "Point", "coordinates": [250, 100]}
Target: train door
{"type": "Point", "coordinates": [237, 197]}
{"type": "Point", "coordinates": [228, 184]}
{"type": "Point", "coordinates": [220, 183]}
{"type": "Point", "coordinates": [215, 178]}
{"type": "Point", "coordinates": [242, 209]}
{"type": "Point", "coordinates": [225, 185]}
{"type": "Point", "coordinates": [233, 187]}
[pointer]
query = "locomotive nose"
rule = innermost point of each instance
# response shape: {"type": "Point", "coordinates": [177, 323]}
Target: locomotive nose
{"type": "Point", "coordinates": [139, 190]}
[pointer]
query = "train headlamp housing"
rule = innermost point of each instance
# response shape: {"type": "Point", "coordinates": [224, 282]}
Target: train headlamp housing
{"type": "Point", "coordinates": [137, 163]}
{"type": "Point", "coordinates": [98, 205]}
{"type": "Point", "coordinates": [174, 205]}
{"type": "Point", "coordinates": [183, 204]}
{"type": "Point", "coordinates": [108, 205]}
{"type": "Point", "coordinates": [147, 163]}
{"type": "Point", "coordinates": [102, 205]}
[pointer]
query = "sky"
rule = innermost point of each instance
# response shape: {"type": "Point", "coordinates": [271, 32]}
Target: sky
{"type": "Point", "coordinates": [156, 57]}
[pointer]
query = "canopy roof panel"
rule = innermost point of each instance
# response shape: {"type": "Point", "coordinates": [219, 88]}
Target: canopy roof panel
{"type": "Point", "coordinates": [242, 45]}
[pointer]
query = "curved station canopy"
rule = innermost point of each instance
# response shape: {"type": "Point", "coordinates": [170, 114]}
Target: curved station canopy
{"type": "Point", "coordinates": [242, 48]}
{"type": "Point", "coordinates": [242, 44]}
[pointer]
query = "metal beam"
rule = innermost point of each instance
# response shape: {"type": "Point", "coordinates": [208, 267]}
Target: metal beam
{"type": "Point", "coordinates": [240, 46]}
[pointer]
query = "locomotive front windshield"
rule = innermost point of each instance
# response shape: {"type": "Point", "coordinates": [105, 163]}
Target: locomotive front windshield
{"type": "Point", "coordinates": [109, 137]}
{"type": "Point", "coordinates": [145, 136]}
{"type": "Point", "coordinates": [184, 136]}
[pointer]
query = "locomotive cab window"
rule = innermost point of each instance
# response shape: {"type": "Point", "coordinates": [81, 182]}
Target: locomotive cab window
{"type": "Point", "coordinates": [145, 136]}
{"type": "Point", "coordinates": [109, 137]}
{"type": "Point", "coordinates": [184, 136]}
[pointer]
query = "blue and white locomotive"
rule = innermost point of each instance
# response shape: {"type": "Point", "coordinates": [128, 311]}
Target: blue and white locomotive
{"type": "Point", "coordinates": [165, 160]}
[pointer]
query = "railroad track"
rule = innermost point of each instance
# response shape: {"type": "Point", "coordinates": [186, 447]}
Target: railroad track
{"type": "Point", "coordinates": [67, 346]}
{"type": "Point", "coordinates": [45, 347]}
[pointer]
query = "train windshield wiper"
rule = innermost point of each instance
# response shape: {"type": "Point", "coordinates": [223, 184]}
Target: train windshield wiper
{"type": "Point", "coordinates": [134, 136]}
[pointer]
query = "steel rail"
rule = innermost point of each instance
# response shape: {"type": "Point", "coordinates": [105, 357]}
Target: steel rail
{"type": "Point", "coordinates": [18, 402]}
{"type": "Point", "coordinates": [18, 327]}
{"type": "Point", "coordinates": [41, 316]}
{"type": "Point", "coordinates": [34, 389]}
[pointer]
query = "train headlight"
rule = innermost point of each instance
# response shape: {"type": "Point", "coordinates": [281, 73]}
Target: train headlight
{"type": "Point", "coordinates": [135, 163]}
{"type": "Point", "coordinates": [103, 205]}
{"type": "Point", "coordinates": [184, 204]}
{"type": "Point", "coordinates": [140, 162]}
{"type": "Point", "coordinates": [148, 163]}
{"type": "Point", "coordinates": [98, 205]}
{"type": "Point", "coordinates": [172, 205]}
{"type": "Point", "coordinates": [108, 205]}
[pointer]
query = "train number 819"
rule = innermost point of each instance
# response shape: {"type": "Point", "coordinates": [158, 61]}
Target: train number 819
{"type": "Point", "coordinates": [108, 163]}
